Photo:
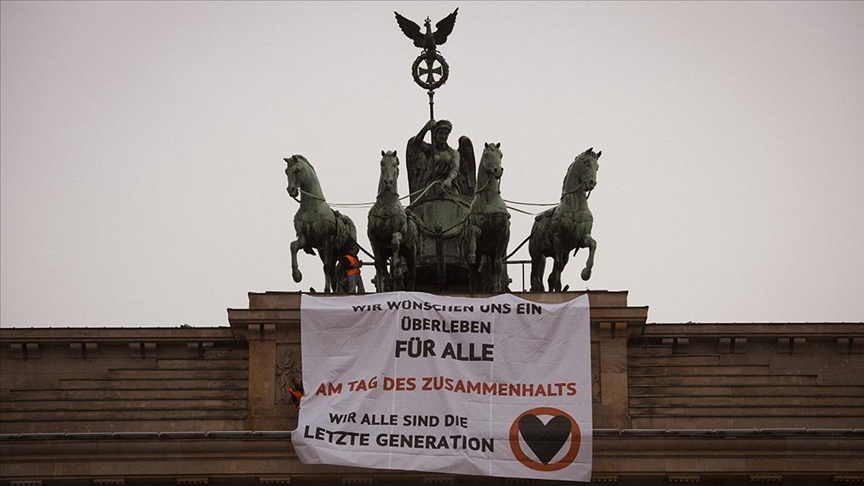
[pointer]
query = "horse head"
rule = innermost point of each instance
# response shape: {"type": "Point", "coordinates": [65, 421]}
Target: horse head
{"type": "Point", "coordinates": [582, 173]}
{"type": "Point", "coordinates": [490, 165]}
{"type": "Point", "coordinates": [301, 177]}
{"type": "Point", "coordinates": [389, 173]}
{"type": "Point", "coordinates": [294, 173]}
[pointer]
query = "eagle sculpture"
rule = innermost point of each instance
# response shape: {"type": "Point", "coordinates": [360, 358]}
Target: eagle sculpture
{"type": "Point", "coordinates": [429, 40]}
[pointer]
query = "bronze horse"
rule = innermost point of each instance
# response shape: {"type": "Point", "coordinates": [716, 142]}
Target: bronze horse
{"type": "Point", "coordinates": [317, 225]}
{"type": "Point", "coordinates": [392, 233]}
{"type": "Point", "coordinates": [566, 226]}
{"type": "Point", "coordinates": [487, 229]}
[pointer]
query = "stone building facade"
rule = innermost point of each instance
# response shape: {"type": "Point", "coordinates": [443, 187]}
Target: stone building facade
{"type": "Point", "coordinates": [710, 404]}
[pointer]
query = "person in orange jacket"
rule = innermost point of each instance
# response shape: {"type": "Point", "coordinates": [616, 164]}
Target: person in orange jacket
{"type": "Point", "coordinates": [355, 281]}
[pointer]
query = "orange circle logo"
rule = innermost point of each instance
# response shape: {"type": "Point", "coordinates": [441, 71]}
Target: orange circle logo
{"type": "Point", "coordinates": [545, 440]}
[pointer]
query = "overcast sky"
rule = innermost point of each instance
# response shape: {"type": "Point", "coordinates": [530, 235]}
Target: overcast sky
{"type": "Point", "coordinates": [142, 143]}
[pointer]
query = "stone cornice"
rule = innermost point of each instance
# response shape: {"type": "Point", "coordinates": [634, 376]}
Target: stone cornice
{"type": "Point", "coordinates": [107, 334]}
{"type": "Point", "coordinates": [610, 314]}
{"type": "Point", "coordinates": [623, 453]}
{"type": "Point", "coordinates": [798, 329]}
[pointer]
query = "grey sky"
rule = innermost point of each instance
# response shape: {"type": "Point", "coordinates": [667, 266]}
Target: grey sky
{"type": "Point", "coordinates": [142, 143]}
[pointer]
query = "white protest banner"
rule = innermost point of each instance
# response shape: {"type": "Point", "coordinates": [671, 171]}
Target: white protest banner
{"type": "Point", "coordinates": [496, 386]}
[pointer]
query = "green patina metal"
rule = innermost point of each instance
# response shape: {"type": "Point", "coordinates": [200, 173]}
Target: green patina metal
{"type": "Point", "coordinates": [453, 235]}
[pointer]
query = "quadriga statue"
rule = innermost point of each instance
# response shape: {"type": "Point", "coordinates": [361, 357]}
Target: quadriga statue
{"type": "Point", "coordinates": [317, 225]}
{"type": "Point", "coordinates": [566, 226]}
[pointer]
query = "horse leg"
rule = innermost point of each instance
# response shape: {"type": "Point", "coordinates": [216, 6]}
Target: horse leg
{"type": "Point", "coordinates": [591, 243]}
{"type": "Point", "coordinates": [472, 233]}
{"type": "Point", "coordinates": [381, 273]}
{"type": "Point", "coordinates": [490, 274]}
{"type": "Point", "coordinates": [300, 242]}
{"type": "Point", "coordinates": [381, 254]}
{"type": "Point", "coordinates": [552, 280]}
{"type": "Point", "coordinates": [411, 267]}
{"type": "Point", "coordinates": [328, 273]}
{"type": "Point", "coordinates": [411, 256]}
{"type": "Point", "coordinates": [560, 257]}
{"type": "Point", "coordinates": [328, 261]}
{"type": "Point", "coordinates": [555, 275]}
{"type": "Point", "coordinates": [396, 281]}
{"type": "Point", "coordinates": [538, 266]}
{"type": "Point", "coordinates": [495, 273]}
{"type": "Point", "coordinates": [396, 272]}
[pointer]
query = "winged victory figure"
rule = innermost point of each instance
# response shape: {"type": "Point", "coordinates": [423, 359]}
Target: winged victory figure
{"type": "Point", "coordinates": [429, 40]}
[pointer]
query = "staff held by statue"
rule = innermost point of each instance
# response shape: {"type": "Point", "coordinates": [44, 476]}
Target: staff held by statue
{"type": "Point", "coordinates": [430, 70]}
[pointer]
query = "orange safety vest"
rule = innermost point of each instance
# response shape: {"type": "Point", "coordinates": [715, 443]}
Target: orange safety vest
{"type": "Point", "coordinates": [353, 261]}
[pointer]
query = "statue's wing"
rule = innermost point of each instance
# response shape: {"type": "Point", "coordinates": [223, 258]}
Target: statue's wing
{"type": "Point", "coordinates": [467, 166]}
{"type": "Point", "coordinates": [444, 27]}
{"type": "Point", "coordinates": [415, 165]}
{"type": "Point", "coordinates": [411, 29]}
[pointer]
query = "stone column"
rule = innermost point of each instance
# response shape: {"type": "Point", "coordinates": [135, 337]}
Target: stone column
{"type": "Point", "coordinates": [263, 413]}
{"type": "Point", "coordinates": [610, 342]}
